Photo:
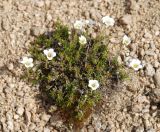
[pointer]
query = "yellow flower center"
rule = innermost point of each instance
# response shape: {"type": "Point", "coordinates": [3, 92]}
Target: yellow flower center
{"type": "Point", "coordinates": [49, 55]}
{"type": "Point", "coordinates": [126, 41]}
{"type": "Point", "coordinates": [27, 63]}
{"type": "Point", "coordinates": [93, 85]}
{"type": "Point", "coordinates": [135, 66]}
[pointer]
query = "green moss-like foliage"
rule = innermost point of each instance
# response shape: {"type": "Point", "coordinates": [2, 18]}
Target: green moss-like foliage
{"type": "Point", "coordinates": [64, 79]}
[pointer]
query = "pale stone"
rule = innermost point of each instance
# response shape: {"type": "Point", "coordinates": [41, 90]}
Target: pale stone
{"type": "Point", "coordinates": [46, 129]}
{"type": "Point", "coordinates": [45, 117]}
{"type": "Point", "coordinates": [39, 3]}
{"type": "Point", "coordinates": [27, 117]}
{"type": "Point", "coordinates": [150, 71]}
{"type": "Point", "coordinates": [20, 111]}
{"type": "Point", "coordinates": [157, 78]}
{"type": "Point", "coordinates": [10, 125]}
{"type": "Point", "coordinates": [127, 19]}
{"type": "Point", "coordinates": [49, 17]}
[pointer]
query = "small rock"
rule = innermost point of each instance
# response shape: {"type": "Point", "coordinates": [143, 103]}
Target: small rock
{"type": "Point", "coordinates": [27, 116]}
{"type": "Point", "coordinates": [35, 31]}
{"type": "Point", "coordinates": [39, 3]}
{"type": "Point", "coordinates": [46, 129]}
{"type": "Point", "coordinates": [53, 108]}
{"type": "Point", "coordinates": [146, 110]}
{"type": "Point", "coordinates": [126, 19]}
{"type": "Point", "coordinates": [157, 33]}
{"type": "Point", "coordinates": [5, 24]}
{"type": "Point", "coordinates": [146, 46]}
{"type": "Point", "coordinates": [103, 127]}
{"type": "Point", "coordinates": [16, 116]}
{"type": "Point", "coordinates": [146, 116]}
{"type": "Point", "coordinates": [150, 71]}
{"type": "Point", "coordinates": [134, 84]}
{"type": "Point", "coordinates": [147, 35]}
{"type": "Point", "coordinates": [114, 41]}
{"type": "Point", "coordinates": [150, 52]}
{"type": "Point", "coordinates": [132, 54]}
{"type": "Point", "coordinates": [157, 93]}
{"type": "Point", "coordinates": [17, 127]}
{"type": "Point", "coordinates": [139, 129]}
{"type": "Point", "coordinates": [133, 47]}
{"type": "Point", "coordinates": [20, 111]}
{"type": "Point", "coordinates": [45, 117]}
{"type": "Point", "coordinates": [10, 125]}
{"type": "Point", "coordinates": [59, 124]}
{"type": "Point", "coordinates": [154, 114]}
{"type": "Point", "coordinates": [119, 118]}
{"type": "Point", "coordinates": [90, 129]}
{"type": "Point", "coordinates": [157, 78]}
{"type": "Point", "coordinates": [10, 66]}
{"type": "Point", "coordinates": [84, 129]}
{"type": "Point", "coordinates": [142, 52]}
{"type": "Point", "coordinates": [7, 6]}
{"type": "Point", "coordinates": [119, 59]}
{"type": "Point", "coordinates": [32, 126]}
{"type": "Point", "coordinates": [154, 107]}
{"type": "Point", "coordinates": [142, 99]}
{"type": "Point", "coordinates": [39, 128]}
{"type": "Point", "coordinates": [133, 35]}
{"type": "Point", "coordinates": [20, 93]}
{"type": "Point", "coordinates": [153, 46]}
{"type": "Point", "coordinates": [150, 130]}
{"type": "Point", "coordinates": [21, 7]}
{"type": "Point", "coordinates": [49, 17]}
{"type": "Point", "coordinates": [137, 108]}
{"type": "Point", "coordinates": [156, 64]}
{"type": "Point", "coordinates": [98, 125]}
{"type": "Point", "coordinates": [48, 3]}
{"type": "Point", "coordinates": [11, 85]}
{"type": "Point", "coordinates": [95, 117]}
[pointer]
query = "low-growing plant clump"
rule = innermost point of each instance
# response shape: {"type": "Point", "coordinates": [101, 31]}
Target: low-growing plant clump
{"type": "Point", "coordinates": [71, 67]}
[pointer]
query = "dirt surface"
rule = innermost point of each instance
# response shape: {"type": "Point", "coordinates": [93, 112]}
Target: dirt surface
{"type": "Point", "coordinates": [133, 108]}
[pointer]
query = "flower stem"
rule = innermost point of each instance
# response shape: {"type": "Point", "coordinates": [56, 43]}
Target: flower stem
{"type": "Point", "coordinates": [28, 73]}
{"type": "Point", "coordinates": [46, 64]}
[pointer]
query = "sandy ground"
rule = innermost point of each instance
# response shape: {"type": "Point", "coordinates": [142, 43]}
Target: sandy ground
{"type": "Point", "coordinates": [133, 108]}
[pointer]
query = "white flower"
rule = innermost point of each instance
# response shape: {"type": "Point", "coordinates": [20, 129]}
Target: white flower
{"type": "Point", "coordinates": [28, 62]}
{"type": "Point", "coordinates": [49, 53]}
{"type": "Point", "coordinates": [126, 40]}
{"type": "Point", "coordinates": [93, 84]}
{"type": "Point", "coordinates": [108, 21]}
{"type": "Point", "coordinates": [78, 25]}
{"type": "Point", "coordinates": [82, 40]}
{"type": "Point", "coordinates": [135, 64]}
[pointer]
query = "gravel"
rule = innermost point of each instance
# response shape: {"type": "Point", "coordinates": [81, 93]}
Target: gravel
{"type": "Point", "coordinates": [126, 19]}
{"type": "Point", "coordinates": [20, 111]}
{"type": "Point", "coordinates": [126, 108]}
{"type": "Point", "coordinates": [157, 78]}
{"type": "Point", "coordinates": [150, 71]}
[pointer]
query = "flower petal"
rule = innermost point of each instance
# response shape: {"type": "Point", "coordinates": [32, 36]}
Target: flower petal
{"type": "Point", "coordinates": [53, 54]}
{"type": "Point", "coordinates": [31, 65]}
{"type": "Point", "coordinates": [30, 60]}
{"type": "Point", "coordinates": [45, 52]}
{"type": "Point", "coordinates": [51, 50]}
{"type": "Point", "coordinates": [49, 58]}
{"type": "Point", "coordinates": [24, 60]}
